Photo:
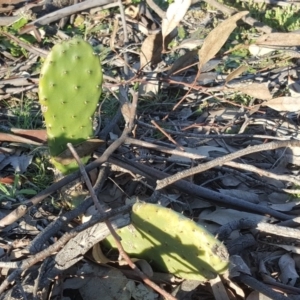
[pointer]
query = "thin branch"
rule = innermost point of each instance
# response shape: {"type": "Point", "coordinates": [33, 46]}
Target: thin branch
{"type": "Point", "coordinates": [198, 191]}
{"type": "Point", "coordinates": [28, 47]}
{"type": "Point", "coordinates": [166, 135]}
{"type": "Point", "coordinates": [232, 164]}
{"type": "Point", "coordinates": [218, 136]}
{"type": "Point", "coordinates": [15, 215]}
{"type": "Point", "coordinates": [64, 12]}
{"type": "Point", "coordinates": [221, 160]}
{"type": "Point", "coordinates": [279, 230]}
{"type": "Point", "coordinates": [126, 40]}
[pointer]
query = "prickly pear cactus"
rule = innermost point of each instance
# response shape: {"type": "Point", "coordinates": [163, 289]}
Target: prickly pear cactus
{"type": "Point", "coordinates": [172, 243]}
{"type": "Point", "coordinates": [69, 90]}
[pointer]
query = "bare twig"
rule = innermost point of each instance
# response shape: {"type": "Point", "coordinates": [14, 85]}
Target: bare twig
{"type": "Point", "coordinates": [274, 2]}
{"type": "Point", "coordinates": [167, 135]}
{"type": "Point", "coordinates": [196, 190]}
{"type": "Point", "coordinates": [126, 40]}
{"type": "Point", "coordinates": [279, 230]}
{"type": "Point", "coordinates": [221, 160]}
{"type": "Point", "coordinates": [290, 223]}
{"type": "Point", "coordinates": [88, 183]}
{"type": "Point", "coordinates": [34, 50]}
{"type": "Point", "coordinates": [219, 136]}
{"type": "Point", "coordinates": [64, 12]}
{"type": "Point", "coordinates": [261, 172]}
{"type": "Point", "coordinates": [18, 213]}
{"type": "Point", "coordinates": [232, 164]}
{"type": "Point", "coordinates": [265, 173]}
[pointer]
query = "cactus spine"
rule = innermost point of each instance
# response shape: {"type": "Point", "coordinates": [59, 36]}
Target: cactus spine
{"type": "Point", "coordinates": [172, 243]}
{"type": "Point", "coordinates": [69, 90]}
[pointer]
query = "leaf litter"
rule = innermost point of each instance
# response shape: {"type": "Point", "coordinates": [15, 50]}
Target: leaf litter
{"type": "Point", "coordinates": [231, 87]}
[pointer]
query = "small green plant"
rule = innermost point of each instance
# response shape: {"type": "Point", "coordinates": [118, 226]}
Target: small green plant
{"type": "Point", "coordinates": [287, 17]}
{"type": "Point", "coordinates": [22, 21]}
{"type": "Point", "coordinates": [11, 192]}
{"type": "Point", "coordinates": [13, 28]}
{"type": "Point", "coordinates": [240, 98]}
{"type": "Point", "coordinates": [38, 172]}
{"type": "Point", "coordinates": [26, 116]}
{"type": "Point", "coordinates": [280, 18]}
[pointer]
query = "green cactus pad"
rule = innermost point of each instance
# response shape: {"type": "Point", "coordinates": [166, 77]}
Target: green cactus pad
{"type": "Point", "coordinates": [172, 243]}
{"type": "Point", "coordinates": [69, 90]}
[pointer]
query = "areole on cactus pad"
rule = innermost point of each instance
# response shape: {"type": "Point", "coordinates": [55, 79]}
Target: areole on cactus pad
{"type": "Point", "coordinates": [69, 90]}
{"type": "Point", "coordinates": [172, 243]}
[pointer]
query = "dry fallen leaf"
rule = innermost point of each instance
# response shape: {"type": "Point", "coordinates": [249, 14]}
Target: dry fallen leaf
{"type": "Point", "coordinates": [217, 38]}
{"type": "Point", "coordinates": [287, 39]}
{"type": "Point", "coordinates": [19, 163]}
{"type": "Point", "coordinates": [151, 50]}
{"type": "Point", "coordinates": [126, 111]}
{"type": "Point", "coordinates": [174, 14]}
{"type": "Point", "coordinates": [184, 61]}
{"type": "Point", "coordinates": [152, 47]}
{"type": "Point", "coordinates": [39, 135]}
{"type": "Point", "coordinates": [189, 44]}
{"type": "Point", "coordinates": [223, 216]}
{"type": "Point", "coordinates": [7, 137]}
{"type": "Point", "coordinates": [149, 85]}
{"type": "Point", "coordinates": [287, 267]}
{"type": "Point", "coordinates": [256, 90]}
{"type": "Point", "coordinates": [287, 104]}
{"type": "Point", "coordinates": [236, 73]}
